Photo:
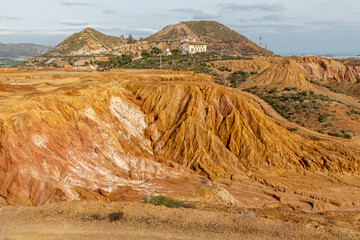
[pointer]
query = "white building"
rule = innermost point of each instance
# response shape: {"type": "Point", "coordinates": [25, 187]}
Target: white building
{"type": "Point", "coordinates": [166, 52]}
{"type": "Point", "coordinates": [190, 45]}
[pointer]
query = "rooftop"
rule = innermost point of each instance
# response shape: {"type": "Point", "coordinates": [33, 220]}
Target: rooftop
{"type": "Point", "coordinates": [197, 43]}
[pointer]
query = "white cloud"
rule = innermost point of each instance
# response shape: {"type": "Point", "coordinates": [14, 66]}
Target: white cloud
{"type": "Point", "coordinates": [109, 11]}
{"type": "Point", "coordinates": [9, 17]}
{"type": "Point", "coordinates": [76, 3]}
{"type": "Point", "coordinates": [196, 13]}
{"type": "Point", "coordinates": [74, 22]}
{"type": "Point", "coordinates": [266, 7]}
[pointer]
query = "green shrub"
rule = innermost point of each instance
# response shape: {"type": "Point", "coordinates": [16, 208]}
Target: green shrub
{"type": "Point", "coordinates": [145, 54]}
{"type": "Point", "coordinates": [353, 111]}
{"type": "Point", "coordinates": [273, 90]}
{"type": "Point", "coordinates": [167, 202]}
{"type": "Point", "coordinates": [238, 77]}
{"type": "Point", "coordinates": [156, 51]}
{"type": "Point", "coordinates": [115, 216]}
{"type": "Point", "coordinates": [322, 117]}
{"type": "Point", "coordinates": [334, 134]}
{"type": "Point", "coordinates": [343, 134]}
{"type": "Point", "coordinates": [224, 69]}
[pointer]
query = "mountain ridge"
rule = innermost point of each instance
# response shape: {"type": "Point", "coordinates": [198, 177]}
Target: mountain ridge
{"type": "Point", "coordinates": [220, 39]}
{"type": "Point", "coordinates": [22, 50]}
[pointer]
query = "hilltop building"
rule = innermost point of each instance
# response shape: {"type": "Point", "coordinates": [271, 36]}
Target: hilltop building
{"type": "Point", "coordinates": [167, 52]}
{"type": "Point", "coordinates": [190, 45]}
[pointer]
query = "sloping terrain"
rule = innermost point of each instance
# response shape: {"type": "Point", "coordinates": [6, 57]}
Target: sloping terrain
{"type": "Point", "coordinates": [128, 134]}
{"type": "Point", "coordinates": [91, 43]}
{"type": "Point", "coordinates": [22, 51]}
{"type": "Point", "coordinates": [287, 74]}
{"type": "Point", "coordinates": [219, 38]}
{"type": "Point", "coordinates": [317, 93]}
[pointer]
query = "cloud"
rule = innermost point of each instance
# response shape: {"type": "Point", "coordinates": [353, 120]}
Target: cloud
{"type": "Point", "coordinates": [140, 31]}
{"type": "Point", "coordinates": [266, 7]}
{"type": "Point", "coordinates": [261, 28]}
{"type": "Point", "coordinates": [334, 25]}
{"type": "Point", "coordinates": [109, 11]}
{"type": "Point", "coordinates": [74, 22]}
{"type": "Point", "coordinates": [196, 13]}
{"type": "Point", "coordinates": [70, 3]}
{"type": "Point", "coordinates": [5, 31]}
{"type": "Point", "coordinates": [328, 22]}
{"type": "Point", "coordinates": [270, 18]}
{"type": "Point", "coordinates": [9, 17]}
{"type": "Point", "coordinates": [124, 30]}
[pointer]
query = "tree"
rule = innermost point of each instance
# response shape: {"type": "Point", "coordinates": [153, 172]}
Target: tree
{"type": "Point", "coordinates": [156, 51]}
{"type": "Point", "coordinates": [145, 54]}
{"type": "Point", "coordinates": [176, 52]}
{"type": "Point", "coordinates": [125, 59]}
{"type": "Point", "coordinates": [131, 39]}
{"type": "Point", "coordinates": [114, 61]}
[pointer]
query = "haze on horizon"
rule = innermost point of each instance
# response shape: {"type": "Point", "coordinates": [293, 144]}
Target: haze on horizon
{"type": "Point", "coordinates": [287, 27]}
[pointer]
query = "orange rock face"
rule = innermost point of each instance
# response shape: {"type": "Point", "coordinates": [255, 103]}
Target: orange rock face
{"type": "Point", "coordinates": [126, 134]}
{"type": "Point", "coordinates": [283, 71]}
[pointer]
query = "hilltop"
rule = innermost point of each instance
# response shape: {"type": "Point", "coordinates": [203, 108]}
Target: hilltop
{"type": "Point", "coordinates": [220, 38]}
{"type": "Point", "coordinates": [87, 42]}
{"type": "Point", "coordinates": [90, 44]}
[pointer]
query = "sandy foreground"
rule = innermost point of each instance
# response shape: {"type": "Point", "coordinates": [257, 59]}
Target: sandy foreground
{"type": "Point", "coordinates": [92, 220]}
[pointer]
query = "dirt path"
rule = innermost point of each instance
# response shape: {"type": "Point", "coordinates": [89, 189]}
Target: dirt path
{"type": "Point", "coordinates": [91, 220]}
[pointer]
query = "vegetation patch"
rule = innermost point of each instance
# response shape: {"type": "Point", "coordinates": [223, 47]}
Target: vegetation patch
{"type": "Point", "coordinates": [353, 111]}
{"type": "Point", "coordinates": [115, 216]}
{"type": "Point", "coordinates": [224, 69]}
{"type": "Point", "coordinates": [289, 105]}
{"type": "Point", "coordinates": [327, 86]}
{"type": "Point", "coordinates": [342, 134]}
{"type": "Point", "coordinates": [238, 77]}
{"type": "Point", "coordinates": [198, 62]}
{"type": "Point", "coordinates": [167, 202]}
{"type": "Point", "coordinates": [304, 108]}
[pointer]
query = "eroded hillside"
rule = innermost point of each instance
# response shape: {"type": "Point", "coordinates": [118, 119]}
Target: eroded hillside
{"type": "Point", "coordinates": [316, 93]}
{"type": "Point", "coordinates": [128, 134]}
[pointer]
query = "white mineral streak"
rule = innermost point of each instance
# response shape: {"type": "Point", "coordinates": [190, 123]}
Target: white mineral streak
{"type": "Point", "coordinates": [39, 141]}
{"type": "Point", "coordinates": [90, 113]}
{"type": "Point", "coordinates": [131, 118]}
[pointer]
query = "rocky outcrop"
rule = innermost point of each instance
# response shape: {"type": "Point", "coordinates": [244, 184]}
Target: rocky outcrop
{"type": "Point", "coordinates": [329, 69]}
{"type": "Point", "coordinates": [287, 74]}
{"type": "Point", "coordinates": [316, 68]}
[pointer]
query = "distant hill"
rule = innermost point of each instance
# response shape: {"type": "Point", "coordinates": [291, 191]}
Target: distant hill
{"type": "Point", "coordinates": [220, 38]}
{"type": "Point", "coordinates": [88, 42]}
{"type": "Point", "coordinates": [90, 45]}
{"type": "Point", "coordinates": [22, 50]}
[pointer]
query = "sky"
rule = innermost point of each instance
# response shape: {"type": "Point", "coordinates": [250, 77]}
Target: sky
{"type": "Point", "coordinates": [286, 26]}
